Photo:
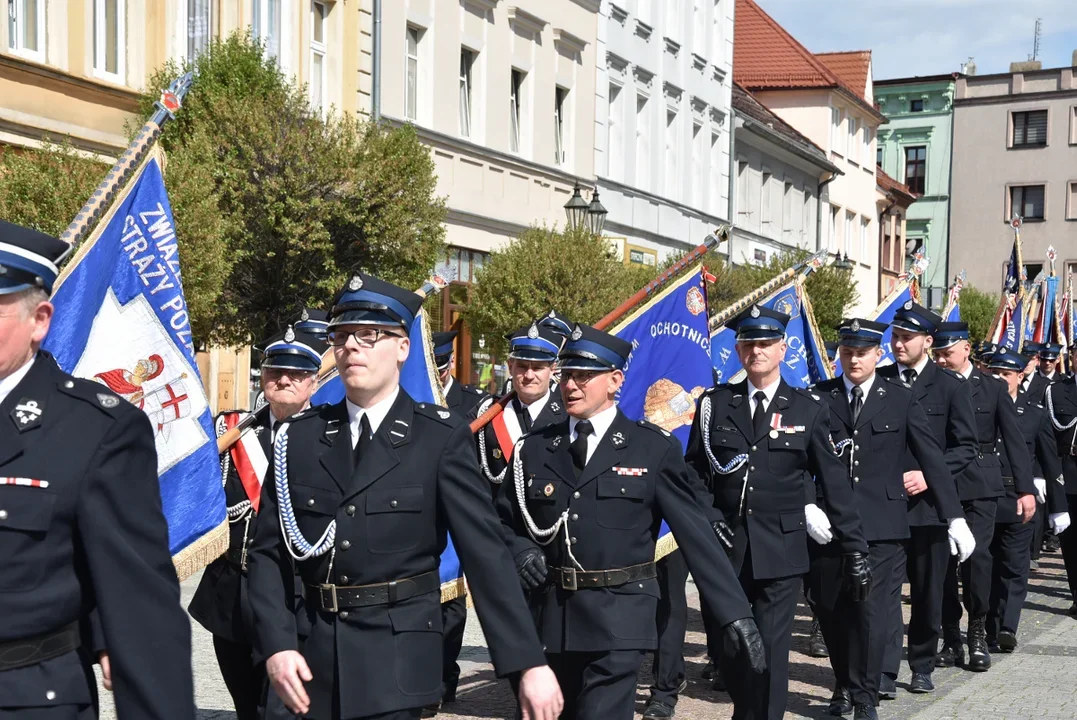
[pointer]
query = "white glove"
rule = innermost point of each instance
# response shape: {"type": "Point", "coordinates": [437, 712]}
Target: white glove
{"type": "Point", "coordinates": [1059, 522]}
{"type": "Point", "coordinates": [1041, 490]}
{"type": "Point", "coordinates": [962, 543]}
{"type": "Point", "coordinates": [818, 524]}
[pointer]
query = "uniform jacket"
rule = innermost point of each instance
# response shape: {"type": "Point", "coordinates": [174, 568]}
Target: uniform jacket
{"type": "Point", "coordinates": [996, 418]}
{"type": "Point", "coordinates": [892, 425]}
{"type": "Point", "coordinates": [417, 481]}
{"type": "Point", "coordinates": [463, 399]}
{"type": "Point", "coordinates": [551, 414]}
{"type": "Point", "coordinates": [1043, 452]}
{"type": "Point", "coordinates": [763, 500]}
{"type": "Point", "coordinates": [635, 478]}
{"type": "Point", "coordinates": [947, 401]}
{"type": "Point", "coordinates": [94, 541]}
{"type": "Point", "coordinates": [1061, 401]}
{"type": "Point", "coordinates": [220, 603]}
{"type": "Point", "coordinates": [1038, 386]}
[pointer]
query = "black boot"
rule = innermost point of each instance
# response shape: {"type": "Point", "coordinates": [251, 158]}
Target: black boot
{"type": "Point", "coordinates": [952, 651]}
{"type": "Point", "coordinates": [979, 657]}
{"type": "Point", "coordinates": [816, 643]}
{"type": "Point", "coordinates": [841, 702]}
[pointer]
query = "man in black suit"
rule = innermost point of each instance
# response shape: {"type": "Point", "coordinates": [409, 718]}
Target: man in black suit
{"type": "Point", "coordinates": [221, 604]}
{"type": "Point", "coordinates": [359, 501]}
{"type": "Point", "coordinates": [584, 506]}
{"type": "Point", "coordinates": [1061, 402]}
{"type": "Point", "coordinates": [460, 398]}
{"type": "Point", "coordinates": [936, 520]}
{"type": "Point", "coordinates": [877, 424]}
{"type": "Point", "coordinates": [82, 531]}
{"type": "Point", "coordinates": [754, 443]}
{"type": "Point", "coordinates": [979, 488]}
{"type": "Point", "coordinates": [1034, 384]}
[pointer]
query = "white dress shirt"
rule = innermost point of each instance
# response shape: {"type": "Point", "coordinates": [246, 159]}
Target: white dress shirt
{"type": "Point", "coordinates": [536, 407]}
{"type": "Point", "coordinates": [600, 423]}
{"type": "Point", "coordinates": [8, 384]}
{"type": "Point", "coordinates": [769, 391]}
{"type": "Point", "coordinates": [375, 414]}
{"type": "Point", "coordinates": [967, 372]}
{"type": "Point", "coordinates": [919, 368]}
{"type": "Point", "coordinates": [865, 386]}
{"type": "Point", "coordinates": [447, 385]}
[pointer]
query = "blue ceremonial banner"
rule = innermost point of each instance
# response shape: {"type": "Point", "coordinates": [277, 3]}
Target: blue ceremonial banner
{"type": "Point", "coordinates": [1013, 332]}
{"type": "Point", "coordinates": [121, 319]}
{"type": "Point", "coordinates": [953, 314]}
{"type": "Point", "coordinates": [884, 313]}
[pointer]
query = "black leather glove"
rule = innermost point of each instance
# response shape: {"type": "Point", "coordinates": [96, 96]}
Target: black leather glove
{"type": "Point", "coordinates": [856, 572]}
{"type": "Point", "coordinates": [741, 641]}
{"type": "Point", "coordinates": [531, 567]}
{"type": "Point", "coordinates": [724, 533]}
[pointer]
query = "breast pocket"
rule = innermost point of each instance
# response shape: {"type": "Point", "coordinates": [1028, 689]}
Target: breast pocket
{"type": "Point", "coordinates": [884, 434]}
{"type": "Point", "coordinates": [727, 443]}
{"type": "Point", "coordinates": [25, 517]}
{"type": "Point", "coordinates": [936, 418]}
{"type": "Point", "coordinates": [417, 645]}
{"type": "Point", "coordinates": [787, 452]}
{"type": "Point", "coordinates": [794, 538]}
{"type": "Point", "coordinates": [621, 502]}
{"type": "Point", "coordinates": [392, 516]}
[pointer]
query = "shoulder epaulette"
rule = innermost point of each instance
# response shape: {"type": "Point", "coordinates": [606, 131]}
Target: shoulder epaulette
{"type": "Point", "coordinates": [651, 426]}
{"type": "Point", "coordinates": [95, 394]}
{"type": "Point", "coordinates": [812, 393]}
{"type": "Point", "coordinates": [308, 413]}
{"type": "Point", "coordinates": [473, 390]}
{"type": "Point", "coordinates": [436, 412]}
{"type": "Point", "coordinates": [952, 373]}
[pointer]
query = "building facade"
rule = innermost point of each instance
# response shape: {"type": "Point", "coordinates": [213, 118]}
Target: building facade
{"type": "Point", "coordinates": [894, 202]}
{"type": "Point", "coordinates": [1014, 152]}
{"type": "Point", "coordinates": [662, 123]}
{"type": "Point", "coordinates": [915, 147]}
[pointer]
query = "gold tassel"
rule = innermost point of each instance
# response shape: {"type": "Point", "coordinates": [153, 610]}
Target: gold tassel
{"type": "Point", "coordinates": [201, 552]}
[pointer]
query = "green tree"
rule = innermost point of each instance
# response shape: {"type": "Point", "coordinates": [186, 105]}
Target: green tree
{"type": "Point", "coordinates": [45, 188]}
{"type": "Point", "coordinates": [978, 309]}
{"type": "Point", "coordinates": [572, 272]}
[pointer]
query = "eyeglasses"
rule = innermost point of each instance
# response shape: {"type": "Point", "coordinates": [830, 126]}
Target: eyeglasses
{"type": "Point", "coordinates": [581, 377]}
{"type": "Point", "coordinates": [296, 375]}
{"type": "Point", "coordinates": [365, 337]}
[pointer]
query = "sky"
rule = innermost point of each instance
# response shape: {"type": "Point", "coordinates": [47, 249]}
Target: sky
{"type": "Point", "coordinates": [933, 37]}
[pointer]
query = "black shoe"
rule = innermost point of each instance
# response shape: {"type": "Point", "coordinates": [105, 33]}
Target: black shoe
{"type": "Point", "coordinates": [866, 712]}
{"type": "Point", "coordinates": [992, 645]}
{"type": "Point", "coordinates": [709, 671]}
{"type": "Point", "coordinates": [430, 711]}
{"type": "Point", "coordinates": [1007, 641]}
{"type": "Point", "coordinates": [952, 653]}
{"type": "Point", "coordinates": [921, 683]}
{"type": "Point", "coordinates": [887, 688]}
{"type": "Point", "coordinates": [979, 657]}
{"type": "Point", "coordinates": [816, 644]}
{"type": "Point", "coordinates": [719, 682]}
{"type": "Point", "coordinates": [841, 702]}
{"type": "Point", "coordinates": [657, 710]}
{"type": "Point", "coordinates": [1051, 544]}
{"type": "Point", "coordinates": [1073, 610]}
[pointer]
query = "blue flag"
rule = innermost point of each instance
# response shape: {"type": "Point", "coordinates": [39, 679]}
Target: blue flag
{"type": "Point", "coordinates": [121, 319]}
{"type": "Point", "coordinates": [1012, 336]}
{"type": "Point", "coordinates": [884, 313]}
{"type": "Point", "coordinates": [954, 314]}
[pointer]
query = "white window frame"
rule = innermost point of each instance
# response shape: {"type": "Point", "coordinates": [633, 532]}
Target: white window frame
{"type": "Point", "coordinates": [615, 131]}
{"type": "Point", "coordinates": [699, 148]}
{"type": "Point", "coordinates": [561, 130]}
{"type": "Point", "coordinates": [854, 142]}
{"type": "Point", "coordinates": [867, 154]}
{"type": "Point", "coordinates": [99, 35]}
{"type": "Point", "coordinates": [320, 50]}
{"type": "Point", "coordinates": [835, 130]}
{"type": "Point", "coordinates": [850, 238]}
{"type": "Point", "coordinates": [516, 91]}
{"type": "Point", "coordinates": [261, 31]}
{"type": "Point", "coordinates": [15, 30]}
{"type": "Point", "coordinates": [186, 18]}
{"type": "Point", "coordinates": [643, 141]}
{"type": "Point", "coordinates": [671, 180]}
{"type": "Point", "coordinates": [412, 113]}
{"type": "Point", "coordinates": [714, 180]}
{"type": "Point", "coordinates": [865, 240]}
{"type": "Point", "coordinates": [834, 243]}
{"type": "Point", "coordinates": [467, 92]}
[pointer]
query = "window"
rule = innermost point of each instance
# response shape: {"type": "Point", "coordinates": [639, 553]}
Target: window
{"type": "Point", "coordinates": [616, 144]}
{"type": "Point", "coordinates": [699, 29]}
{"type": "Point", "coordinates": [108, 39]}
{"type": "Point", "coordinates": [865, 240]}
{"type": "Point", "coordinates": [467, 62]}
{"type": "Point", "coordinates": [1033, 271]}
{"type": "Point", "coordinates": [318, 12]}
{"type": "Point", "coordinates": [833, 244]}
{"type": "Point", "coordinates": [26, 27]}
{"type": "Point", "coordinates": [806, 215]}
{"type": "Point", "coordinates": [879, 156]}
{"type": "Point", "coordinates": [916, 168]}
{"type": "Point", "coordinates": [515, 96]}
{"type": "Point", "coordinates": [673, 13]}
{"type": "Point", "coordinates": [1030, 129]}
{"type": "Point", "coordinates": [790, 213]}
{"type": "Point", "coordinates": [916, 106]}
{"type": "Point", "coordinates": [765, 214]}
{"type": "Point", "coordinates": [869, 137]}
{"type": "Point", "coordinates": [411, 62]}
{"type": "Point", "coordinates": [717, 51]}
{"type": "Point", "coordinates": [266, 26]}
{"type": "Point", "coordinates": [1071, 200]}
{"type": "Point", "coordinates": [741, 199]}
{"type": "Point", "coordinates": [560, 108]}
{"type": "Point", "coordinates": [671, 181]}
{"type": "Point", "coordinates": [854, 143]}
{"type": "Point", "coordinates": [850, 237]}
{"type": "Point", "coordinates": [643, 143]}
{"type": "Point", "coordinates": [1027, 201]}
{"type": "Point", "coordinates": [715, 184]}
{"type": "Point", "coordinates": [199, 24]}
{"type": "Point", "coordinates": [1073, 125]}
{"type": "Point", "coordinates": [835, 130]}
{"type": "Point", "coordinates": [698, 157]}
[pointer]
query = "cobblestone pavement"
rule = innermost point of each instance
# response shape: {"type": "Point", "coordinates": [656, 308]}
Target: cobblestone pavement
{"type": "Point", "coordinates": [1035, 682]}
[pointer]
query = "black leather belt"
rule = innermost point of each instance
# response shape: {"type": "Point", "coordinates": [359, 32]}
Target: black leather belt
{"type": "Point", "coordinates": [572, 579]}
{"type": "Point", "coordinates": [33, 650]}
{"type": "Point", "coordinates": [334, 598]}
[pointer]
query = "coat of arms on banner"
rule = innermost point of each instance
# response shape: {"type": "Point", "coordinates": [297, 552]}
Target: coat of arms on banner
{"type": "Point", "coordinates": [670, 406]}
{"type": "Point", "coordinates": [147, 370]}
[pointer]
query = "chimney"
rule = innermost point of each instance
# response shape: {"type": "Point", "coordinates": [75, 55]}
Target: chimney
{"type": "Point", "coordinates": [1026, 66]}
{"type": "Point", "coordinates": [1074, 58]}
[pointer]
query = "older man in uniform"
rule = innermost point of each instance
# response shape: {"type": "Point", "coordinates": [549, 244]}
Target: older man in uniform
{"type": "Point", "coordinates": [979, 488]}
{"type": "Point", "coordinates": [221, 604]}
{"type": "Point", "coordinates": [754, 443]}
{"type": "Point", "coordinates": [1010, 546]}
{"type": "Point", "coordinates": [81, 525]}
{"type": "Point", "coordinates": [878, 424]}
{"type": "Point", "coordinates": [361, 496]}
{"type": "Point", "coordinates": [584, 505]}
{"type": "Point", "coordinates": [936, 520]}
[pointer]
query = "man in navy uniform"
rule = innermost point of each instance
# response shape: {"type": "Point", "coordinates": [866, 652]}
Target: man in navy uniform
{"type": "Point", "coordinates": [1061, 401]}
{"type": "Point", "coordinates": [290, 365]}
{"type": "Point", "coordinates": [360, 498]}
{"type": "Point", "coordinates": [81, 525]}
{"type": "Point", "coordinates": [979, 488]}
{"type": "Point", "coordinates": [460, 398]}
{"type": "Point", "coordinates": [1011, 545]}
{"type": "Point", "coordinates": [936, 520]}
{"type": "Point", "coordinates": [584, 504]}
{"type": "Point", "coordinates": [878, 423]}
{"type": "Point", "coordinates": [754, 443]}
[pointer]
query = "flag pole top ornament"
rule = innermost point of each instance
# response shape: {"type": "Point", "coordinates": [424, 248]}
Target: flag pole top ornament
{"type": "Point", "coordinates": [1015, 223]}
{"type": "Point", "coordinates": [172, 98]}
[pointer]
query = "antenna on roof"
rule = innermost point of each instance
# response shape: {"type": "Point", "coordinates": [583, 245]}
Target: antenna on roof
{"type": "Point", "coordinates": [1036, 40]}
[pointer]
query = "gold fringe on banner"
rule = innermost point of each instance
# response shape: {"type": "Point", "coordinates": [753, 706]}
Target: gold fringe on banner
{"type": "Point", "coordinates": [817, 337]}
{"type": "Point", "coordinates": [665, 545]}
{"type": "Point", "coordinates": [201, 552]}
{"type": "Point", "coordinates": [453, 589]}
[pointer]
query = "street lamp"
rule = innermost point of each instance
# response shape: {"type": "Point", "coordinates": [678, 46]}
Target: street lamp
{"type": "Point", "coordinates": [576, 209]}
{"type": "Point", "coordinates": [843, 262]}
{"type": "Point", "coordinates": [596, 215]}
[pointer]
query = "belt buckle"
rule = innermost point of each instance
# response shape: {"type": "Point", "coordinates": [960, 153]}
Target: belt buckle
{"type": "Point", "coordinates": [568, 579]}
{"type": "Point", "coordinates": [391, 595]}
{"type": "Point", "coordinates": [332, 590]}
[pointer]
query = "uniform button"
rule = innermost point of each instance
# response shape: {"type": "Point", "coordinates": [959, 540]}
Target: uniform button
{"type": "Point", "coordinates": [856, 479]}
{"type": "Point", "coordinates": [622, 491]}
{"type": "Point", "coordinates": [855, 433]}
{"type": "Point", "coordinates": [641, 586]}
{"type": "Point", "coordinates": [3, 514]}
{"type": "Point", "coordinates": [429, 624]}
{"type": "Point", "coordinates": [344, 579]}
{"type": "Point", "coordinates": [575, 496]}
{"type": "Point", "coordinates": [310, 503]}
{"type": "Point", "coordinates": [751, 489]}
{"type": "Point", "coordinates": [350, 509]}
{"type": "Point", "coordinates": [749, 511]}
{"type": "Point", "coordinates": [69, 384]}
{"type": "Point", "coordinates": [754, 448]}
{"type": "Point", "coordinates": [751, 468]}
{"type": "Point", "coordinates": [50, 695]}
{"type": "Point", "coordinates": [344, 545]}
{"type": "Point", "coordinates": [856, 463]}
{"type": "Point", "coordinates": [856, 447]}
{"type": "Point", "coordinates": [787, 443]}
{"type": "Point", "coordinates": [572, 541]}
{"type": "Point", "coordinates": [575, 516]}
{"type": "Point", "coordinates": [343, 614]}
{"type": "Point", "coordinates": [393, 503]}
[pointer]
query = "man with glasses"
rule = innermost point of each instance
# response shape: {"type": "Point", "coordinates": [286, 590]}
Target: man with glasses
{"type": "Point", "coordinates": [583, 505]}
{"type": "Point", "coordinates": [361, 496]}
{"type": "Point", "coordinates": [220, 604]}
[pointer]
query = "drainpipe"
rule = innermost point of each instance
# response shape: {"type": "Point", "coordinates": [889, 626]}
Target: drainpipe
{"type": "Point", "coordinates": [375, 80]}
{"type": "Point", "coordinates": [731, 212]}
{"type": "Point", "coordinates": [819, 210]}
{"type": "Point", "coordinates": [949, 200]}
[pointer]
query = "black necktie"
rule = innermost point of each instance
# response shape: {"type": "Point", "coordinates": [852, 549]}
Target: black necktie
{"type": "Point", "coordinates": [759, 417]}
{"type": "Point", "coordinates": [364, 440]}
{"type": "Point", "coordinates": [523, 416]}
{"type": "Point", "coordinates": [910, 376]}
{"type": "Point", "coordinates": [578, 449]}
{"type": "Point", "coordinates": [858, 402]}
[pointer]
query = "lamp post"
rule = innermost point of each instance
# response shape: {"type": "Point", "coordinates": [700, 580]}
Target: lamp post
{"type": "Point", "coordinates": [580, 214]}
{"type": "Point", "coordinates": [843, 262]}
{"type": "Point", "coordinates": [596, 214]}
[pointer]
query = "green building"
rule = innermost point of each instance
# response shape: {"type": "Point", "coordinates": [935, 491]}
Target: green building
{"type": "Point", "coordinates": [914, 146]}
